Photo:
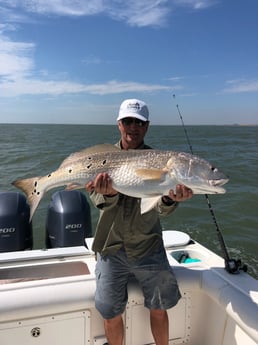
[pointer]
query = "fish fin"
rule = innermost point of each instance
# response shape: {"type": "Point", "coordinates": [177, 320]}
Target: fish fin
{"type": "Point", "coordinates": [73, 186]}
{"type": "Point", "coordinates": [148, 203]}
{"type": "Point", "coordinates": [150, 174]}
{"type": "Point", "coordinates": [89, 151]}
{"type": "Point", "coordinates": [29, 187]}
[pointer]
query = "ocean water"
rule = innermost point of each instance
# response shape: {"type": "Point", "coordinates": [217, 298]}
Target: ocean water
{"type": "Point", "coordinates": [32, 150]}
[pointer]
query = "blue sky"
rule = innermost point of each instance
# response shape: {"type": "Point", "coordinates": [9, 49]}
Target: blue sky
{"type": "Point", "coordinates": [67, 61]}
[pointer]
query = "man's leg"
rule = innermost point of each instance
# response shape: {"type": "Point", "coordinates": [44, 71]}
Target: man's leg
{"type": "Point", "coordinates": [159, 326]}
{"type": "Point", "coordinates": [114, 329]}
{"type": "Point", "coordinates": [160, 290]}
{"type": "Point", "coordinates": [111, 294]}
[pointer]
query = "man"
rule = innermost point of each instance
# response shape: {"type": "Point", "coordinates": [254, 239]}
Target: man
{"type": "Point", "coordinates": [128, 242]}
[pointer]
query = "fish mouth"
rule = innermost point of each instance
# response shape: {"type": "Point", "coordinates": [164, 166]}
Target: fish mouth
{"type": "Point", "coordinates": [212, 187]}
{"type": "Point", "coordinates": [209, 190]}
{"type": "Point", "coordinates": [218, 183]}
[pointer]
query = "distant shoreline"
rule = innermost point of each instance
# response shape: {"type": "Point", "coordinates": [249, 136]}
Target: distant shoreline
{"type": "Point", "coordinates": [114, 124]}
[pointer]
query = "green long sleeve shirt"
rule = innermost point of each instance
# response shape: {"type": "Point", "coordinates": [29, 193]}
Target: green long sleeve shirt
{"type": "Point", "coordinates": [121, 224]}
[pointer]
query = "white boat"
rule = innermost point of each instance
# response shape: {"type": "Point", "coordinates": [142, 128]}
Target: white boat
{"type": "Point", "coordinates": [47, 298]}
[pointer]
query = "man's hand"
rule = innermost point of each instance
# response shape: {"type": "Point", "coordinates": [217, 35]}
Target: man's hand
{"type": "Point", "coordinates": [102, 185]}
{"type": "Point", "coordinates": [181, 193]}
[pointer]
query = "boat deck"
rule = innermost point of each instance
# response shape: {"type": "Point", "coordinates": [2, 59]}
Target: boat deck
{"type": "Point", "coordinates": [47, 298]}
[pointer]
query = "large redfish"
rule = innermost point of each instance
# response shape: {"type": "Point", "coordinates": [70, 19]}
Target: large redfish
{"type": "Point", "coordinates": [145, 174]}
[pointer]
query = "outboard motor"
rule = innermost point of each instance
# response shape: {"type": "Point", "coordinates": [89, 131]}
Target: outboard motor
{"type": "Point", "coordinates": [68, 220]}
{"type": "Point", "coordinates": [15, 228]}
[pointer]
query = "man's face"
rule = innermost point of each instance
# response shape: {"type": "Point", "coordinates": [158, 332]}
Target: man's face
{"type": "Point", "coordinates": [132, 132]}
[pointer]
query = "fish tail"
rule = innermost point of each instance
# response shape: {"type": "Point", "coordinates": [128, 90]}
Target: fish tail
{"type": "Point", "coordinates": [31, 189]}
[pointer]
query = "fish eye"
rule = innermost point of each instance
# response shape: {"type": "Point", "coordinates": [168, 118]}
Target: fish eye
{"type": "Point", "coordinates": [213, 169]}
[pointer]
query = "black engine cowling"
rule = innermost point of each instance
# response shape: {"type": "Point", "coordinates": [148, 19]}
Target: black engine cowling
{"type": "Point", "coordinates": [68, 220]}
{"type": "Point", "coordinates": [15, 228]}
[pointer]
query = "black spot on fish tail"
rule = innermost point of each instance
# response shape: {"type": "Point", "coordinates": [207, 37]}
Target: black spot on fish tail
{"type": "Point", "coordinates": [29, 187]}
{"type": "Point", "coordinates": [70, 171]}
{"type": "Point", "coordinates": [35, 192]}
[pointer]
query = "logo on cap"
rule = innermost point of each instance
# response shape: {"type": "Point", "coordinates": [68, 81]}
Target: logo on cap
{"type": "Point", "coordinates": [136, 106]}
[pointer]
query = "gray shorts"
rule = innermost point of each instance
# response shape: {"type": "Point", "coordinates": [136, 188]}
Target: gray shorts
{"type": "Point", "coordinates": [153, 273]}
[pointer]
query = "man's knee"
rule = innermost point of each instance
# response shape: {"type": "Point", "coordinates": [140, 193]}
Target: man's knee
{"type": "Point", "coordinates": [158, 314]}
{"type": "Point", "coordinates": [113, 320]}
{"type": "Point", "coordinates": [109, 311]}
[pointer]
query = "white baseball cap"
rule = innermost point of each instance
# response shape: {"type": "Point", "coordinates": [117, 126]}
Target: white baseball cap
{"type": "Point", "coordinates": [133, 108]}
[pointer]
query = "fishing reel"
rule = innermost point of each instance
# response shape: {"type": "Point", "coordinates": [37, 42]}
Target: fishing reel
{"type": "Point", "coordinates": [235, 266]}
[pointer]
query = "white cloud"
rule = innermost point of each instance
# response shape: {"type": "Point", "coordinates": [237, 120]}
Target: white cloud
{"type": "Point", "coordinates": [21, 87]}
{"type": "Point", "coordinates": [175, 78]}
{"type": "Point", "coordinates": [240, 86]}
{"type": "Point", "coordinates": [134, 12]}
{"type": "Point", "coordinates": [17, 67]}
{"type": "Point", "coordinates": [95, 60]}
{"type": "Point", "coordinates": [113, 87]}
{"type": "Point", "coordinates": [140, 13]}
{"type": "Point", "coordinates": [15, 58]}
{"type": "Point", "coordinates": [9, 13]}
{"type": "Point", "coordinates": [196, 4]}
{"type": "Point", "coordinates": [92, 60]}
{"type": "Point", "coordinates": [64, 7]}
{"type": "Point", "coordinates": [17, 76]}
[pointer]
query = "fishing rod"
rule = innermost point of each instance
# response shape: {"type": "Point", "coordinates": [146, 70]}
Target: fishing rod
{"type": "Point", "coordinates": [231, 265]}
